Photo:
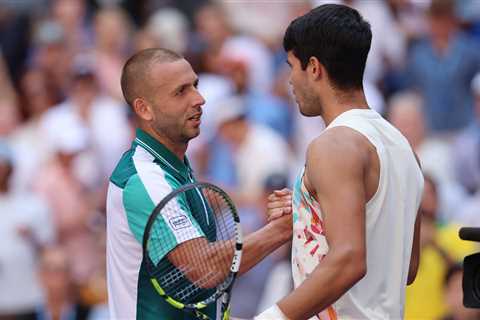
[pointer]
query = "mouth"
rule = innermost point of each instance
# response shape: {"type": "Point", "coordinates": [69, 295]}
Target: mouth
{"type": "Point", "coordinates": [196, 118]}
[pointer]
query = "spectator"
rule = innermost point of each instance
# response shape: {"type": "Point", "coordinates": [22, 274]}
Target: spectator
{"type": "Point", "coordinates": [440, 247]}
{"type": "Point", "coordinates": [247, 144]}
{"type": "Point", "coordinates": [406, 113]}
{"type": "Point", "coordinates": [466, 149]}
{"type": "Point", "coordinates": [442, 66]}
{"type": "Point", "coordinates": [50, 54]}
{"type": "Point", "coordinates": [251, 289]}
{"type": "Point", "coordinates": [28, 140]}
{"type": "Point", "coordinates": [25, 227]}
{"type": "Point", "coordinates": [103, 118]}
{"type": "Point", "coordinates": [61, 302]}
{"type": "Point", "coordinates": [454, 296]}
{"type": "Point", "coordinates": [112, 32]}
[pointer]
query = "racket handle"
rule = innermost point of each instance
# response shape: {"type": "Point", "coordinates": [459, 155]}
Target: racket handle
{"type": "Point", "coordinates": [226, 306]}
{"type": "Point", "coordinates": [226, 313]}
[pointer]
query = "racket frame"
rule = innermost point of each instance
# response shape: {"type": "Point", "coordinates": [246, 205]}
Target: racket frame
{"type": "Point", "coordinates": [225, 292]}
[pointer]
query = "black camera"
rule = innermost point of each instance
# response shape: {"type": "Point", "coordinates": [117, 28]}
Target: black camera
{"type": "Point", "coordinates": [471, 270]}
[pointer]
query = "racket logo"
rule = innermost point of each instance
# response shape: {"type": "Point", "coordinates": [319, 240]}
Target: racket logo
{"type": "Point", "coordinates": [179, 222]}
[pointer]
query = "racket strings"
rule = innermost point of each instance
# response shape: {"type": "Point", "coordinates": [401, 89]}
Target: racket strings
{"type": "Point", "coordinates": [176, 280]}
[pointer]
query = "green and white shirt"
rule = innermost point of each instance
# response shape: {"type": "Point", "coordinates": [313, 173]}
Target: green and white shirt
{"type": "Point", "coordinates": [146, 173]}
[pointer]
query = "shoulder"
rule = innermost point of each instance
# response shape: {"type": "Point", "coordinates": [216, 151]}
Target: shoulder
{"type": "Point", "coordinates": [340, 143]}
{"type": "Point", "coordinates": [124, 169]}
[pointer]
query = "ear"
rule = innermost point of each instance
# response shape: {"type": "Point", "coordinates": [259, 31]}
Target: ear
{"type": "Point", "coordinates": [315, 68]}
{"type": "Point", "coordinates": [143, 109]}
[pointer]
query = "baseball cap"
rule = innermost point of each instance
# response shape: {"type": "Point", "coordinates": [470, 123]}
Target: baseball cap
{"type": "Point", "coordinates": [229, 109]}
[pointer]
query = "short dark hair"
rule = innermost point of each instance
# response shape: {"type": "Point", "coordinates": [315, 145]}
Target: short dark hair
{"type": "Point", "coordinates": [135, 71]}
{"type": "Point", "coordinates": [338, 37]}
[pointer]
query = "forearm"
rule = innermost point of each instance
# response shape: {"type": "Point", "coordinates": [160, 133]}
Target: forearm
{"type": "Point", "coordinates": [261, 243]}
{"type": "Point", "coordinates": [328, 282]}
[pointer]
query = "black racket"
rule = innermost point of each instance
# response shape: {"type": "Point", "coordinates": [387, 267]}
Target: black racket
{"type": "Point", "coordinates": [198, 271]}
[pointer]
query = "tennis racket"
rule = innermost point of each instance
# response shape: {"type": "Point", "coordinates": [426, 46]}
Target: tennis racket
{"type": "Point", "coordinates": [201, 270]}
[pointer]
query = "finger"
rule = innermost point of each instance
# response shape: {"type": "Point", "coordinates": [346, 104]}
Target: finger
{"type": "Point", "coordinates": [275, 214]}
{"type": "Point", "coordinates": [275, 204]}
{"type": "Point", "coordinates": [274, 211]}
{"type": "Point", "coordinates": [282, 192]}
{"type": "Point", "coordinates": [279, 204]}
{"type": "Point", "coordinates": [274, 198]}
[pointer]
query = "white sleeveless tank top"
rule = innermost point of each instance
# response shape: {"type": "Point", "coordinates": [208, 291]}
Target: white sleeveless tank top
{"type": "Point", "coordinates": [390, 219]}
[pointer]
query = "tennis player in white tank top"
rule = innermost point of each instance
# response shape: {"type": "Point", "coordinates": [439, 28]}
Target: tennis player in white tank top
{"type": "Point", "coordinates": [355, 223]}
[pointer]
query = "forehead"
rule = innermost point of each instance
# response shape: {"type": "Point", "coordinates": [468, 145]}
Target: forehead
{"type": "Point", "coordinates": [172, 74]}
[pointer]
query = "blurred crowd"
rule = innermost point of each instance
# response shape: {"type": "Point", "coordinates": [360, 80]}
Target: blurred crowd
{"type": "Point", "coordinates": [64, 124]}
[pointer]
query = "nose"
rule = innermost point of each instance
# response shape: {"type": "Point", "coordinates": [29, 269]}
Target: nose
{"type": "Point", "coordinates": [199, 99]}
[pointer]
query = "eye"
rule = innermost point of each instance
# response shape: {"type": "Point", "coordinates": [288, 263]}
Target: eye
{"type": "Point", "coordinates": [180, 91]}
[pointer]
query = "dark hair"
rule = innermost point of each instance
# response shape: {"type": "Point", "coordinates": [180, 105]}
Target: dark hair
{"type": "Point", "coordinates": [338, 37]}
{"type": "Point", "coordinates": [135, 71]}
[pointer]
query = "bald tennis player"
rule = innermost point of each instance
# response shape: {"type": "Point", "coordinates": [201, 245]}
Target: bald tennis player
{"type": "Point", "coordinates": [161, 88]}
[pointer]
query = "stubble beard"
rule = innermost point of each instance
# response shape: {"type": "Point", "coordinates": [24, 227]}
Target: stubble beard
{"type": "Point", "coordinates": [311, 106]}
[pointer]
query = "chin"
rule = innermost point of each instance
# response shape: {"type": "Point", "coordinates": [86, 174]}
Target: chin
{"type": "Point", "coordinates": [192, 135]}
{"type": "Point", "coordinates": [307, 113]}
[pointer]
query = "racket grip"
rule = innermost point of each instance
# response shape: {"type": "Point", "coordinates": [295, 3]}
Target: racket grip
{"type": "Point", "coordinates": [226, 314]}
{"type": "Point", "coordinates": [226, 306]}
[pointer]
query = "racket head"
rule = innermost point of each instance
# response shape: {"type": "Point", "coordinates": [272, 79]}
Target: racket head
{"type": "Point", "coordinates": [179, 281]}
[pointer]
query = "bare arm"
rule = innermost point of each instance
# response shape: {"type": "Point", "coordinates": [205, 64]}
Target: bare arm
{"type": "Point", "coordinates": [335, 172]}
{"type": "Point", "coordinates": [198, 257]}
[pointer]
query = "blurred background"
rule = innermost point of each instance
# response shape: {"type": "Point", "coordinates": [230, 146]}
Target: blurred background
{"type": "Point", "coordinates": [64, 125]}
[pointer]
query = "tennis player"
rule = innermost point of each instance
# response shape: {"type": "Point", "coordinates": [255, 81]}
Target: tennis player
{"type": "Point", "coordinates": [355, 223]}
{"type": "Point", "coordinates": [161, 88]}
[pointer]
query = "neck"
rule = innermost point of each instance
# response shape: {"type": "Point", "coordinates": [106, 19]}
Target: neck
{"type": "Point", "coordinates": [175, 147]}
{"type": "Point", "coordinates": [338, 102]}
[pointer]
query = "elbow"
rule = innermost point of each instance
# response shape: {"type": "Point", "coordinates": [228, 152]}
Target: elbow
{"type": "Point", "coordinates": [356, 260]}
{"type": "Point", "coordinates": [360, 271]}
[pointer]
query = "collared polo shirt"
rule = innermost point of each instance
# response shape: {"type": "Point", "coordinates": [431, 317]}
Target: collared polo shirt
{"type": "Point", "coordinates": [145, 174]}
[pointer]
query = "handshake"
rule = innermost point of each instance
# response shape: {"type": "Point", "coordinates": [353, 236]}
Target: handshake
{"type": "Point", "coordinates": [279, 209]}
{"type": "Point", "coordinates": [279, 204]}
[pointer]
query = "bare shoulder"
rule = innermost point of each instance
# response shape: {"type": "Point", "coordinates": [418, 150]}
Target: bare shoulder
{"type": "Point", "coordinates": [339, 144]}
{"type": "Point", "coordinates": [337, 159]}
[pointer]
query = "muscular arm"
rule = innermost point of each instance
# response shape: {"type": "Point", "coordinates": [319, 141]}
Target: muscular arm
{"type": "Point", "coordinates": [200, 257]}
{"type": "Point", "coordinates": [335, 169]}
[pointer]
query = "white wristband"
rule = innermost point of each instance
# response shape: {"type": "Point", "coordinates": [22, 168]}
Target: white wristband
{"type": "Point", "coordinates": [272, 313]}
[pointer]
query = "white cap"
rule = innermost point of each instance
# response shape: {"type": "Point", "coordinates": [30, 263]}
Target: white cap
{"type": "Point", "coordinates": [71, 140]}
{"type": "Point", "coordinates": [229, 109]}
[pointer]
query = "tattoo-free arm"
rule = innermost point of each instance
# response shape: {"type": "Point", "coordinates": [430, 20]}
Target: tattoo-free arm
{"type": "Point", "coordinates": [335, 171]}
